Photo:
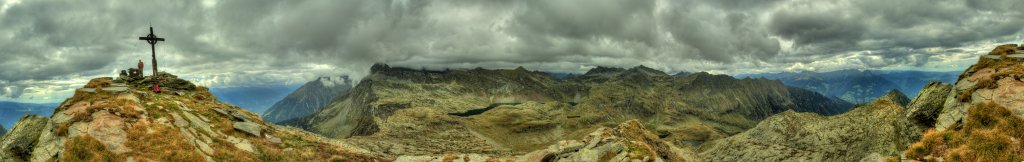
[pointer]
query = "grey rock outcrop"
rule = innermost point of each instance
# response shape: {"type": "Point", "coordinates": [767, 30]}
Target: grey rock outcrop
{"type": "Point", "coordinates": [17, 145]}
{"type": "Point", "coordinates": [896, 97]}
{"type": "Point", "coordinates": [248, 127]}
{"type": "Point", "coordinates": [2, 130]}
{"type": "Point", "coordinates": [168, 82]}
{"type": "Point", "coordinates": [925, 108]}
{"type": "Point", "coordinates": [308, 99]}
{"type": "Point", "coordinates": [981, 84]}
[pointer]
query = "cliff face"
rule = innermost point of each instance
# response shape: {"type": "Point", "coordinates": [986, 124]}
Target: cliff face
{"type": "Point", "coordinates": [111, 121]}
{"type": "Point", "coordinates": [2, 130]}
{"type": "Point", "coordinates": [394, 110]}
{"type": "Point", "coordinates": [308, 99]}
{"type": "Point", "coordinates": [878, 128]}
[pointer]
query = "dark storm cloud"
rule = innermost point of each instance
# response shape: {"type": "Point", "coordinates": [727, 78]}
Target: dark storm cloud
{"type": "Point", "coordinates": [236, 42]}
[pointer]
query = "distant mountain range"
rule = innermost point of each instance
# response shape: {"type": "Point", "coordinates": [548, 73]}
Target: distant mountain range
{"type": "Point", "coordinates": [308, 99]}
{"type": "Point", "coordinates": [253, 98]}
{"type": "Point", "coordinates": [394, 110]}
{"type": "Point", "coordinates": [11, 111]}
{"type": "Point", "coordinates": [858, 86]}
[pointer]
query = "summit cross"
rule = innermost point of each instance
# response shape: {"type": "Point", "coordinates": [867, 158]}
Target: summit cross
{"type": "Point", "coordinates": [152, 39]}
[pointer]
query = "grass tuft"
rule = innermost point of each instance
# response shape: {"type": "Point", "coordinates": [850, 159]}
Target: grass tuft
{"type": "Point", "coordinates": [990, 133]}
{"type": "Point", "coordinates": [86, 148]}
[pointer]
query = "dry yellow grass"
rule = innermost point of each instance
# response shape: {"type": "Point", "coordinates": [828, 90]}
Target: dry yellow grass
{"type": "Point", "coordinates": [159, 142]}
{"type": "Point", "coordinates": [99, 82]}
{"type": "Point", "coordinates": [86, 148]}
{"type": "Point", "coordinates": [990, 133]}
{"type": "Point", "coordinates": [1004, 49]}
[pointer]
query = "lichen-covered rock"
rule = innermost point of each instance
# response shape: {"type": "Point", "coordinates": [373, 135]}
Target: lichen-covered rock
{"type": "Point", "coordinates": [896, 97]}
{"type": "Point", "coordinates": [248, 127]}
{"type": "Point", "coordinates": [997, 81]}
{"type": "Point", "coordinates": [925, 108]}
{"type": "Point", "coordinates": [17, 145]}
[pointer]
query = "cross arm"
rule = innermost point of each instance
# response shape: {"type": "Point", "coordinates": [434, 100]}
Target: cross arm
{"type": "Point", "coordinates": [151, 38]}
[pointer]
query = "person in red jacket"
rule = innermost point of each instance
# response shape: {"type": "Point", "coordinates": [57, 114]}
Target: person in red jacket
{"type": "Point", "coordinates": [140, 67]}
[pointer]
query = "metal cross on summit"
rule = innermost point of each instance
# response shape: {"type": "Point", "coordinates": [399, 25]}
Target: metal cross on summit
{"type": "Point", "coordinates": [152, 39]}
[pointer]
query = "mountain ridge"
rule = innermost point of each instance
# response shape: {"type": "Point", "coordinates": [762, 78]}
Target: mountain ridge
{"type": "Point", "coordinates": [307, 99]}
{"type": "Point", "coordinates": [859, 86]}
{"type": "Point", "coordinates": [393, 107]}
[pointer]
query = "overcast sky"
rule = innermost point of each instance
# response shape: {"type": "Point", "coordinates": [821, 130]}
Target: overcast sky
{"type": "Point", "coordinates": [48, 47]}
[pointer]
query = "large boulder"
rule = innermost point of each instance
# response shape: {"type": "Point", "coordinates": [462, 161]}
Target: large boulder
{"type": "Point", "coordinates": [17, 145]}
{"type": "Point", "coordinates": [925, 108]}
{"type": "Point", "coordinates": [248, 127]}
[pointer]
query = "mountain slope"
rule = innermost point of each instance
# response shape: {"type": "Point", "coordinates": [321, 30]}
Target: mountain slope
{"type": "Point", "coordinates": [514, 111]}
{"type": "Point", "coordinates": [876, 128]}
{"type": "Point", "coordinates": [308, 99]}
{"type": "Point", "coordinates": [108, 121]}
{"type": "Point", "coordinates": [2, 130]}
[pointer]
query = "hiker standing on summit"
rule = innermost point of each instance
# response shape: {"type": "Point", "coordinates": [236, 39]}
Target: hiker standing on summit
{"type": "Point", "coordinates": [140, 66]}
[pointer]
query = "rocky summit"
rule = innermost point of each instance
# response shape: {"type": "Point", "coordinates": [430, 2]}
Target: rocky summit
{"type": "Point", "coordinates": [400, 111]}
{"type": "Point", "coordinates": [118, 120]}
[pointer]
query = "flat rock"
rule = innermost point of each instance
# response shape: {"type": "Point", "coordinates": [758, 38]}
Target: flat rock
{"type": "Point", "coordinates": [110, 128]}
{"type": "Point", "coordinates": [273, 140]}
{"type": "Point", "coordinates": [248, 127]}
{"type": "Point", "coordinates": [196, 122]}
{"type": "Point", "coordinates": [204, 147]}
{"type": "Point", "coordinates": [567, 146]}
{"type": "Point", "coordinates": [241, 144]}
{"type": "Point", "coordinates": [178, 120]}
{"type": "Point", "coordinates": [239, 116]}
